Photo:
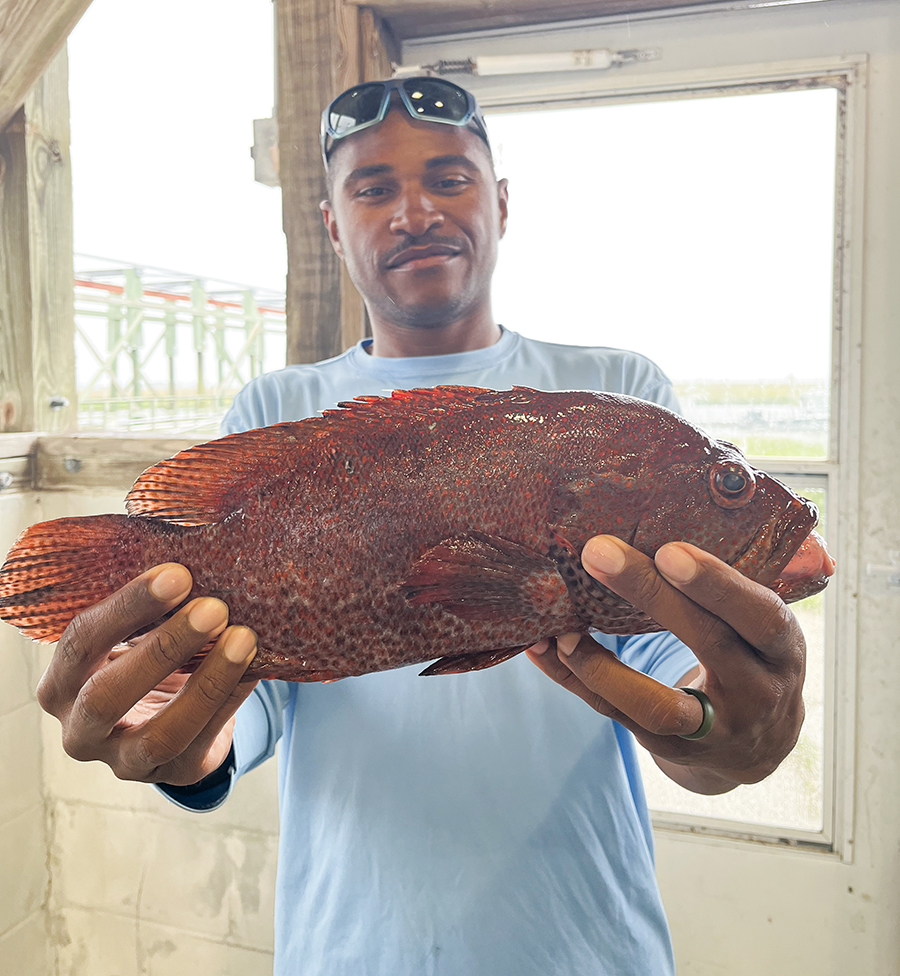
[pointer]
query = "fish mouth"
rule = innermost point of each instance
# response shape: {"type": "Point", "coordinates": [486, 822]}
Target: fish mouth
{"type": "Point", "coordinates": [808, 571]}
{"type": "Point", "coordinates": [769, 553]}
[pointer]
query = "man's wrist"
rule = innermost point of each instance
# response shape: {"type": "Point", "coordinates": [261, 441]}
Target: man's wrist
{"type": "Point", "coordinates": [697, 779]}
{"type": "Point", "coordinates": [207, 793]}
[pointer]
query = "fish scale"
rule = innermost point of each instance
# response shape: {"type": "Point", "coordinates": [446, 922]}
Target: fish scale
{"type": "Point", "coordinates": [437, 525]}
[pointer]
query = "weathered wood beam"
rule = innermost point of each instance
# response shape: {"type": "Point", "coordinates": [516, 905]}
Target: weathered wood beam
{"type": "Point", "coordinates": [324, 46]}
{"type": "Point", "coordinates": [32, 32]}
{"type": "Point", "coordinates": [92, 461]}
{"type": "Point", "coordinates": [37, 304]}
{"type": "Point", "coordinates": [427, 18]}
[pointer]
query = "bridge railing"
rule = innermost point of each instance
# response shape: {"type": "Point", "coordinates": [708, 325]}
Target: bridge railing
{"type": "Point", "coordinates": [157, 349]}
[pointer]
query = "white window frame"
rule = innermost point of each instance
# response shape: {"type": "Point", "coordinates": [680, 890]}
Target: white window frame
{"type": "Point", "coordinates": [840, 471]}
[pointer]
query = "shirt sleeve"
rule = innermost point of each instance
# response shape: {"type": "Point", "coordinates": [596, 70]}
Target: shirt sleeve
{"type": "Point", "coordinates": [659, 389]}
{"type": "Point", "coordinates": [257, 729]}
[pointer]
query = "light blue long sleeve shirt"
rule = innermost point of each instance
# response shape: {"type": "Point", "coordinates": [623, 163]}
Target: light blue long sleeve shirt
{"type": "Point", "coordinates": [483, 824]}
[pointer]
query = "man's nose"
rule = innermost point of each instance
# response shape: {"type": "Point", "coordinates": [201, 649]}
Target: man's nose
{"type": "Point", "coordinates": [415, 214]}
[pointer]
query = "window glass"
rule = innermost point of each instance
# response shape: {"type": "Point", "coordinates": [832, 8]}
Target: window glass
{"type": "Point", "coordinates": [793, 796]}
{"type": "Point", "coordinates": [700, 232]}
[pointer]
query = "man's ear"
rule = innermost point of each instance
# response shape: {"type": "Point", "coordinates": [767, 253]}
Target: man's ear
{"type": "Point", "coordinates": [331, 227]}
{"type": "Point", "coordinates": [503, 203]}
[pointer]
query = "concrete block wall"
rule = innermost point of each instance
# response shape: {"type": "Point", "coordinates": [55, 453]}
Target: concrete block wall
{"type": "Point", "coordinates": [104, 878]}
{"type": "Point", "coordinates": [141, 887]}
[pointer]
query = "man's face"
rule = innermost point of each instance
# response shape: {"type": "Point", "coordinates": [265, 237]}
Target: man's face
{"type": "Point", "coordinates": [416, 213]}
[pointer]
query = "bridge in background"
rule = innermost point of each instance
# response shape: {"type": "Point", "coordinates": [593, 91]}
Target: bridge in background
{"type": "Point", "coordinates": [157, 349]}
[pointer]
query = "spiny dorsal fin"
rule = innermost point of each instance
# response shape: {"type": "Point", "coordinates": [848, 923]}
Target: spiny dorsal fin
{"type": "Point", "coordinates": [207, 483]}
{"type": "Point", "coordinates": [408, 403]}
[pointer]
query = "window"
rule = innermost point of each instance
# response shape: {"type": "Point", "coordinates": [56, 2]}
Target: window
{"type": "Point", "coordinates": [701, 232]}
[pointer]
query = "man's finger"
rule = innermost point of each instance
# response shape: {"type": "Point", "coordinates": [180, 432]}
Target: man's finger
{"type": "Point", "coordinates": [189, 724]}
{"type": "Point", "coordinates": [110, 693]}
{"type": "Point", "coordinates": [602, 679]}
{"type": "Point", "coordinates": [707, 631]}
{"type": "Point", "coordinates": [87, 641]}
{"type": "Point", "coordinates": [756, 613]}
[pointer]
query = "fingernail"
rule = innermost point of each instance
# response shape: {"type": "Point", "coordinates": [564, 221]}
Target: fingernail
{"type": "Point", "coordinates": [207, 614]}
{"type": "Point", "coordinates": [676, 563]}
{"type": "Point", "coordinates": [169, 583]}
{"type": "Point", "coordinates": [567, 643]}
{"type": "Point", "coordinates": [240, 645]}
{"type": "Point", "coordinates": [605, 554]}
{"type": "Point", "coordinates": [539, 648]}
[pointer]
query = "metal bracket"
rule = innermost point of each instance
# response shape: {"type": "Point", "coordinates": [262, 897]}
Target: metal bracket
{"type": "Point", "coordinates": [265, 151]}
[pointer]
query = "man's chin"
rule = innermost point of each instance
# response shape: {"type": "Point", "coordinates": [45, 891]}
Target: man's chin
{"type": "Point", "coordinates": [425, 315]}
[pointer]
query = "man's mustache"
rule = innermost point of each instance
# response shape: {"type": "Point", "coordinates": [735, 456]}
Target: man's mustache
{"type": "Point", "coordinates": [425, 240]}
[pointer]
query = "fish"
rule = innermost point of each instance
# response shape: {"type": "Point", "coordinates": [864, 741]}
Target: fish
{"type": "Point", "coordinates": [438, 525]}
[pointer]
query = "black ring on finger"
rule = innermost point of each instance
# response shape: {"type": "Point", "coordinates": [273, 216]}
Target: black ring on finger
{"type": "Point", "coordinates": [709, 714]}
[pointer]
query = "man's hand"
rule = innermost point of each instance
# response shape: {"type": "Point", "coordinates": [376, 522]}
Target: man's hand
{"type": "Point", "coordinates": [752, 663]}
{"type": "Point", "coordinates": [128, 708]}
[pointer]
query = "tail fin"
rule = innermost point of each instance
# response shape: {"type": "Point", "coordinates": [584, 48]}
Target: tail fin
{"type": "Point", "coordinates": [57, 569]}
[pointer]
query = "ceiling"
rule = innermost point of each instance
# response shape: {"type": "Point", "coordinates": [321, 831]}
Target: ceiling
{"type": "Point", "coordinates": [427, 18]}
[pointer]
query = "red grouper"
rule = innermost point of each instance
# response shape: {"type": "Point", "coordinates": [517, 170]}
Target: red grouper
{"type": "Point", "coordinates": [393, 529]}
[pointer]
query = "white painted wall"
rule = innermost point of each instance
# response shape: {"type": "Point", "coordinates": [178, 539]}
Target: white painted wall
{"type": "Point", "coordinates": [740, 908]}
{"type": "Point", "coordinates": [24, 878]}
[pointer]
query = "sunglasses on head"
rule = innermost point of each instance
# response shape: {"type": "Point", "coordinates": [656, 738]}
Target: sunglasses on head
{"type": "Point", "coordinates": [428, 99]}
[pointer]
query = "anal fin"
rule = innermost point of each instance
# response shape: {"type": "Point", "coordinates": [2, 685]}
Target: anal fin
{"type": "Point", "coordinates": [460, 663]}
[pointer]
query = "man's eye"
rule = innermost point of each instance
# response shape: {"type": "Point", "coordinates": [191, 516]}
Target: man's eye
{"type": "Point", "coordinates": [451, 182]}
{"type": "Point", "coordinates": [372, 191]}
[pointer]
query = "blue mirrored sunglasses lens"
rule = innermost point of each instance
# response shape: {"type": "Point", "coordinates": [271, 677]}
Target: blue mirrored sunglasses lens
{"type": "Point", "coordinates": [355, 107]}
{"type": "Point", "coordinates": [436, 99]}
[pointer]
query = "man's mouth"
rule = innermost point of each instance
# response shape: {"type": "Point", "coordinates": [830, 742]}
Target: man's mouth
{"type": "Point", "coordinates": [422, 257]}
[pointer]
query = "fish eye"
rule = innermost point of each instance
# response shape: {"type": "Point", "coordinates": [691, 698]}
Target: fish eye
{"type": "Point", "coordinates": [731, 484]}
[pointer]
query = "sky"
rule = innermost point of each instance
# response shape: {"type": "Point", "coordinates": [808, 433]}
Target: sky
{"type": "Point", "coordinates": [696, 231]}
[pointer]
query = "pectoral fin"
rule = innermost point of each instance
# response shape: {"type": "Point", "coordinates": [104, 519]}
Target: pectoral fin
{"type": "Point", "coordinates": [481, 577]}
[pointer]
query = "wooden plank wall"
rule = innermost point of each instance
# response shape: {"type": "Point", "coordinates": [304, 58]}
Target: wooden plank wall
{"type": "Point", "coordinates": [324, 46]}
{"type": "Point", "coordinates": [37, 315]}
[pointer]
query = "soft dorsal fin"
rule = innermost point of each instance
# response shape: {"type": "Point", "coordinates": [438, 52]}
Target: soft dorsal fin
{"type": "Point", "coordinates": [207, 483]}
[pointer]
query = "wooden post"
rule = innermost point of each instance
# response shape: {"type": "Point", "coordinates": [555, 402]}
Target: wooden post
{"type": "Point", "coordinates": [324, 46]}
{"type": "Point", "coordinates": [37, 304]}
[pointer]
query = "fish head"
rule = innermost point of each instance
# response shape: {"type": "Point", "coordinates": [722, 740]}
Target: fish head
{"type": "Point", "coordinates": [741, 515]}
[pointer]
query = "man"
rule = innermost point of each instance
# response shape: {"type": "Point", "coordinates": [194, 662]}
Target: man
{"type": "Point", "coordinates": [485, 824]}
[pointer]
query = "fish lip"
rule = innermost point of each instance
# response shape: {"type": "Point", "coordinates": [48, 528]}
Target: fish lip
{"type": "Point", "coordinates": [800, 587]}
{"type": "Point", "coordinates": [411, 253]}
{"type": "Point", "coordinates": [789, 531]}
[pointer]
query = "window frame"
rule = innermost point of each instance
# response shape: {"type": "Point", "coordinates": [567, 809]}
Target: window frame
{"type": "Point", "coordinates": [839, 471]}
